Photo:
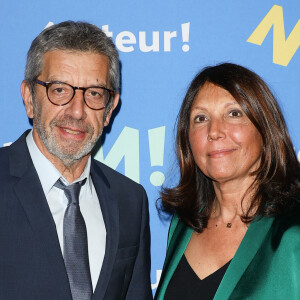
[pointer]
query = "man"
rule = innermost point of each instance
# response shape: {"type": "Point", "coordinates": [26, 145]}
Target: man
{"type": "Point", "coordinates": [70, 227]}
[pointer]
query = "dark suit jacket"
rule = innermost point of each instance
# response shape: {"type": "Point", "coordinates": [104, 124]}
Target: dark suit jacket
{"type": "Point", "coordinates": [31, 262]}
{"type": "Point", "coordinates": [265, 266]}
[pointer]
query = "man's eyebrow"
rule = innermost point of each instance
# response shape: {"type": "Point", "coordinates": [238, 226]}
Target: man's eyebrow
{"type": "Point", "coordinates": [98, 84]}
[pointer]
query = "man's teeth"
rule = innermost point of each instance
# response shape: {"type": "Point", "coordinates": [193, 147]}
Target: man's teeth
{"type": "Point", "coordinates": [71, 131]}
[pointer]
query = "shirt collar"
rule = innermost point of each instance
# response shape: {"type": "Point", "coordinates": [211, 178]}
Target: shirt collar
{"type": "Point", "coordinates": [47, 172]}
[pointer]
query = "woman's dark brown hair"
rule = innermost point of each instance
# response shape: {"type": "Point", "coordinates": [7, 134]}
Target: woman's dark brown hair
{"type": "Point", "coordinates": [276, 184]}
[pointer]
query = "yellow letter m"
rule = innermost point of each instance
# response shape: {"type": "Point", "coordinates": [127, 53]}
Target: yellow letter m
{"type": "Point", "coordinates": [283, 49]}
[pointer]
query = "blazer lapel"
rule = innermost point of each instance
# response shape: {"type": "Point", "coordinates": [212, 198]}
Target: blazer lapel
{"type": "Point", "coordinates": [180, 238]}
{"type": "Point", "coordinates": [252, 241]}
{"type": "Point", "coordinates": [249, 246]}
{"type": "Point", "coordinates": [110, 211]}
{"type": "Point", "coordinates": [31, 196]}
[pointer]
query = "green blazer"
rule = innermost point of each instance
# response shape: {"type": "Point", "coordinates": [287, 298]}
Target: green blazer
{"type": "Point", "coordinates": [265, 266]}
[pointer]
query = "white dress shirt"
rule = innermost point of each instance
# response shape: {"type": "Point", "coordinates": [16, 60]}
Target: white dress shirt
{"type": "Point", "coordinates": [57, 201]}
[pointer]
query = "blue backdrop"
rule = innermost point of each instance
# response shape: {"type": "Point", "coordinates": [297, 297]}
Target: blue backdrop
{"type": "Point", "coordinates": [162, 45]}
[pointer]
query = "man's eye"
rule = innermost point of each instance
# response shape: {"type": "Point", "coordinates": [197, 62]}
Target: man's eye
{"type": "Point", "coordinates": [59, 90]}
{"type": "Point", "coordinates": [94, 94]}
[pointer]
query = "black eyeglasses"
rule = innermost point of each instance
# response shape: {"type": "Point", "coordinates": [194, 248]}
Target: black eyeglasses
{"type": "Point", "coordinates": [61, 93]}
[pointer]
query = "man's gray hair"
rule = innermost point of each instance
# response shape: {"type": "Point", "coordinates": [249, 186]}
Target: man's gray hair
{"type": "Point", "coordinates": [77, 36]}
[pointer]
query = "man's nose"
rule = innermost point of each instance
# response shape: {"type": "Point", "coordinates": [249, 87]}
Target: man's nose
{"type": "Point", "coordinates": [77, 106]}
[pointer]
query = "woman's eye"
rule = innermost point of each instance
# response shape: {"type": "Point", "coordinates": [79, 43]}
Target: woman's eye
{"type": "Point", "coordinates": [200, 119]}
{"type": "Point", "coordinates": [235, 113]}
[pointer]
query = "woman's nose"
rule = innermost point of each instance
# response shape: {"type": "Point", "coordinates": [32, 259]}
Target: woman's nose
{"type": "Point", "coordinates": [216, 130]}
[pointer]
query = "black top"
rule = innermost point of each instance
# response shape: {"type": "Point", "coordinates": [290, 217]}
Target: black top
{"type": "Point", "coordinates": [185, 284]}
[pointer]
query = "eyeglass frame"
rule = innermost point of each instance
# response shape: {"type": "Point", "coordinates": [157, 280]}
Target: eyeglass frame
{"type": "Point", "coordinates": [47, 83]}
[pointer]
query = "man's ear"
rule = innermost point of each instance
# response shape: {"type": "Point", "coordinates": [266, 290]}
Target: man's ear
{"type": "Point", "coordinates": [27, 98]}
{"type": "Point", "coordinates": [114, 105]}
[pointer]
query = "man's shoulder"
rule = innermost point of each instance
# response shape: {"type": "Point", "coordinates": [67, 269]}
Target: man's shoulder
{"type": "Point", "coordinates": [116, 178]}
{"type": "Point", "coordinates": [15, 156]}
{"type": "Point", "coordinates": [131, 195]}
{"type": "Point", "coordinates": [4, 151]}
{"type": "Point", "coordinates": [4, 159]}
{"type": "Point", "coordinates": [6, 176]}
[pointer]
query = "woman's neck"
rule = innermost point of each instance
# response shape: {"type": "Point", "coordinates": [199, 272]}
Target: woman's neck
{"type": "Point", "coordinates": [231, 200]}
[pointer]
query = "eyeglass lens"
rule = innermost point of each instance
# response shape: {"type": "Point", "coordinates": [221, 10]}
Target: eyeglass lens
{"type": "Point", "coordinates": [61, 93]}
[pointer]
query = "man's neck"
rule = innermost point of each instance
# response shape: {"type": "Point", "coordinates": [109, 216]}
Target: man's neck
{"type": "Point", "coordinates": [72, 172]}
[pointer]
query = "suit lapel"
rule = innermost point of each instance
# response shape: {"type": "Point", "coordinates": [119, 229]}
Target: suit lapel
{"type": "Point", "coordinates": [110, 211]}
{"type": "Point", "coordinates": [249, 246]}
{"type": "Point", "coordinates": [178, 243]}
{"type": "Point", "coordinates": [31, 196]}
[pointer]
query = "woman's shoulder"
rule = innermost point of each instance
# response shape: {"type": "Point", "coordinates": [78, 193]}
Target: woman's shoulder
{"type": "Point", "coordinates": [178, 230]}
{"type": "Point", "coordinates": [173, 225]}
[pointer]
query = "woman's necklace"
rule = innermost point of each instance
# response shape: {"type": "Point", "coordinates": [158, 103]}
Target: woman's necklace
{"type": "Point", "coordinates": [228, 225]}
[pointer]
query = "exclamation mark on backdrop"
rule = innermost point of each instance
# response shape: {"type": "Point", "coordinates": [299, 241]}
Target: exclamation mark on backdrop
{"type": "Point", "coordinates": [157, 147]}
{"type": "Point", "coordinates": [185, 29]}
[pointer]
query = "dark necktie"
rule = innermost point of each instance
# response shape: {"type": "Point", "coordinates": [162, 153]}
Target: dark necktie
{"type": "Point", "coordinates": [75, 244]}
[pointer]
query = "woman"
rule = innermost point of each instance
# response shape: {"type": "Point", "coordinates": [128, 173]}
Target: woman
{"type": "Point", "coordinates": [235, 233]}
